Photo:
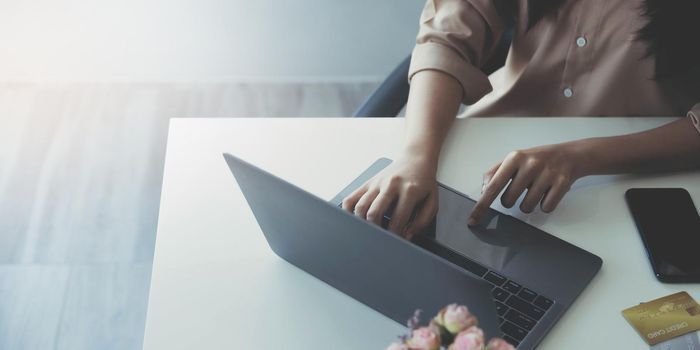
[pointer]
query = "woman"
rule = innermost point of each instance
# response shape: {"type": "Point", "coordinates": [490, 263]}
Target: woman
{"type": "Point", "coordinates": [567, 58]}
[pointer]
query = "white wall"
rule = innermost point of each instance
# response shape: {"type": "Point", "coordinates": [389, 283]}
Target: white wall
{"type": "Point", "coordinates": [203, 39]}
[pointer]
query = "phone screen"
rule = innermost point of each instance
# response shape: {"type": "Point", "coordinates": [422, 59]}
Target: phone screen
{"type": "Point", "coordinates": [669, 226]}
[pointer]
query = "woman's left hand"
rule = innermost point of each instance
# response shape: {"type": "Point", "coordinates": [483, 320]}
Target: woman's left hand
{"type": "Point", "coordinates": [546, 172]}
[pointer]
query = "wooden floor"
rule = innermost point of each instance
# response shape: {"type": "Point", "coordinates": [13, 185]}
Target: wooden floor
{"type": "Point", "coordinates": [80, 177]}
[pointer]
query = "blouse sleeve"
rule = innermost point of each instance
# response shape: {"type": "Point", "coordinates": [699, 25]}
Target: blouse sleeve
{"type": "Point", "coordinates": [694, 115]}
{"type": "Point", "coordinates": [456, 37]}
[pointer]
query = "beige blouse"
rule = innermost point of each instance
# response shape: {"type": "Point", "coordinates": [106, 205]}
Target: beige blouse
{"type": "Point", "coordinates": [585, 60]}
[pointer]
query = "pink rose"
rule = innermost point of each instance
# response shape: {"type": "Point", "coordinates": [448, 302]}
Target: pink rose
{"type": "Point", "coordinates": [499, 344]}
{"type": "Point", "coordinates": [471, 338]}
{"type": "Point", "coordinates": [398, 346]}
{"type": "Point", "coordinates": [455, 318]}
{"type": "Point", "coordinates": [424, 338]}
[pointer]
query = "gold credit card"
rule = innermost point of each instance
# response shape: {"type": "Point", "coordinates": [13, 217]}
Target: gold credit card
{"type": "Point", "coordinates": [664, 318]}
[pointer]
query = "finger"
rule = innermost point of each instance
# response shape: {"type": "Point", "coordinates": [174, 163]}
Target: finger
{"type": "Point", "coordinates": [381, 204]}
{"type": "Point", "coordinates": [554, 196]}
{"type": "Point", "coordinates": [350, 201]}
{"type": "Point", "coordinates": [535, 194]}
{"type": "Point", "coordinates": [492, 189]}
{"type": "Point", "coordinates": [522, 179]}
{"type": "Point", "coordinates": [404, 208]}
{"type": "Point", "coordinates": [365, 202]}
{"type": "Point", "coordinates": [426, 213]}
{"type": "Point", "coordinates": [488, 175]}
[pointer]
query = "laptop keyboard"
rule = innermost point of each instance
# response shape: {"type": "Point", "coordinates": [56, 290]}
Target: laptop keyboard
{"type": "Point", "coordinates": [519, 308]}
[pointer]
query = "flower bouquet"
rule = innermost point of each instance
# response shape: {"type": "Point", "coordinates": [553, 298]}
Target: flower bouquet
{"type": "Point", "coordinates": [454, 328]}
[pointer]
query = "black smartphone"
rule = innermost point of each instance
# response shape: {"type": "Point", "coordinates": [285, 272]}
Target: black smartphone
{"type": "Point", "coordinates": [669, 226]}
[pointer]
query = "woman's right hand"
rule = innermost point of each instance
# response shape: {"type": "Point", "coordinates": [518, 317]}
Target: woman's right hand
{"type": "Point", "coordinates": [409, 185]}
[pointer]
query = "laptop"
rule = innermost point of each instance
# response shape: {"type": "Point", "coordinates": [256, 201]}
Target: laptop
{"type": "Point", "coordinates": [517, 279]}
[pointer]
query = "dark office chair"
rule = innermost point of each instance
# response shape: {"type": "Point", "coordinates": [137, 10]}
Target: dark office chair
{"type": "Point", "coordinates": [391, 96]}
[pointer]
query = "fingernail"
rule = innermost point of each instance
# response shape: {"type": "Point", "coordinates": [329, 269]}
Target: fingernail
{"type": "Point", "coordinates": [471, 221]}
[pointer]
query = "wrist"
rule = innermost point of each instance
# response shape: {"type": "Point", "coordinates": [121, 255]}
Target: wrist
{"type": "Point", "coordinates": [426, 155]}
{"type": "Point", "coordinates": [584, 154]}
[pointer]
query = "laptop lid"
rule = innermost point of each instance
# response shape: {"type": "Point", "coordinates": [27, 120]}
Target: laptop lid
{"type": "Point", "coordinates": [372, 265]}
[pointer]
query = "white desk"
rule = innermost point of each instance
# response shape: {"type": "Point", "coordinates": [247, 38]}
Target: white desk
{"type": "Point", "coordinates": [217, 285]}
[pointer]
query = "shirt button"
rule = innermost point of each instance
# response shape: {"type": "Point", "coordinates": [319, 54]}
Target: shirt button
{"type": "Point", "coordinates": [581, 41]}
{"type": "Point", "coordinates": [568, 92]}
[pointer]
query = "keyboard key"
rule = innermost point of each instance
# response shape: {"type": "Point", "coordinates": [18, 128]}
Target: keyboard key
{"type": "Point", "coordinates": [511, 340]}
{"type": "Point", "coordinates": [543, 303]}
{"type": "Point", "coordinates": [385, 222]}
{"type": "Point", "coordinates": [520, 320]}
{"type": "Point", "coordinates": [390, 211]}
{"type": "Point", "coordinates": [501, 308]}
{"type": "Point", "coordinates": [500, 294]}
{"type": "Point", "coordinates": [527, 295]}
{"type": "Point", "coordinates": [512, 287]}
{"type": "Point", "coordinates": [513, 331]}
{"type": "Point", "coordinates": [495, 278]}
{"type": "Point", "coordinates": [525, 307]}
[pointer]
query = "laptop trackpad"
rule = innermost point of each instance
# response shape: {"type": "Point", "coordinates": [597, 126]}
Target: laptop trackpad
{"type": "Point", "coordinates": [505, 244]}
{"type": "Point", "coordinates": [490, 243]}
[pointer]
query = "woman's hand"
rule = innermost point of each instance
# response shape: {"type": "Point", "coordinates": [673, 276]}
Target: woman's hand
{"type": "Point", "coordinates": [546, 172]}
{"type": "Point", "coordinates": [409, 185]}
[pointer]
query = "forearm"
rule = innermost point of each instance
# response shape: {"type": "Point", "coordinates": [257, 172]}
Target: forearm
{"type": "Point", "coordinates": [433, 103]}
{"type": "Point", "coordinates": [671, 147]}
